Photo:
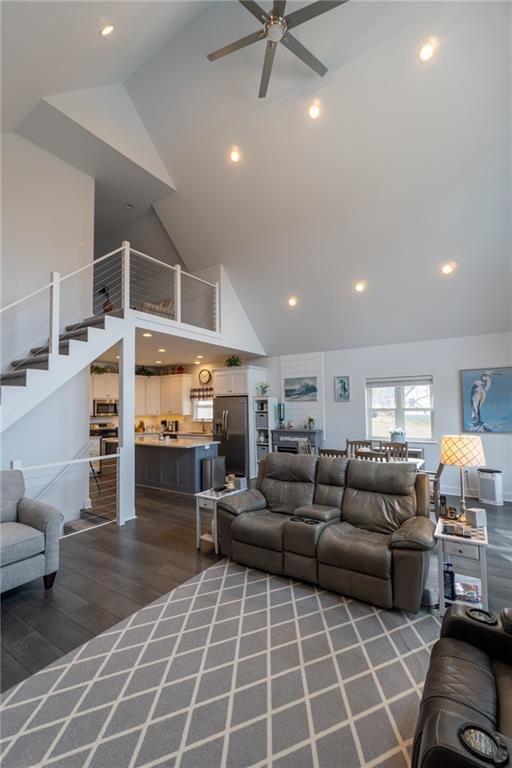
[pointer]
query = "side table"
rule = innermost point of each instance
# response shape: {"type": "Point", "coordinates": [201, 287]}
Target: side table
{"type": "Point", "coordinates": [470, 550]}
{"type": "Point", "coordinates": [206, 501]}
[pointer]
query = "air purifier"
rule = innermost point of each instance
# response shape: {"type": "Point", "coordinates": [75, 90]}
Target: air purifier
{"type": "Point", "coordinates": [490, 482]}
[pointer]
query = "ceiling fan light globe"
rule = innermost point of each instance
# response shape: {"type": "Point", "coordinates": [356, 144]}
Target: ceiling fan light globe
{"type": "Point", "coordinates": [275, 30]}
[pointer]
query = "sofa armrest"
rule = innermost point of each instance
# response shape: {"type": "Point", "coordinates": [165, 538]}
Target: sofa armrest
{"type": "Point", "coordinates": [46, 519]}
{"type": "Point", "coordinates": [247, 501]}
{"type": "Point", "coordinates": [440, 746]}
{"type": "Point", "coordinates": [318, 512]}
{"type": "Point", "coordinates": [491, 639]}
{"type": "Point", "coordinates": [415, 533]}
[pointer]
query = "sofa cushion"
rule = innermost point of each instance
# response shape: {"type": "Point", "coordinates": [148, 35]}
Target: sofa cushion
{"type": "Point", "coordinates": [355, 549]}
{"type": "Point", "coordinates": [18, 542]}
{"type": "Point", "coordinates": [12, 489]}
{"type": "Point", "coordinates": [379, 496]}
{"type": "Point", "coordinates": [460, 679]}
{"type": "Point", "coordinates": [503, 677]}
{"type": "Point", "coordinates": [290, 467]}
{"type": "Point", "coordinates": [330, 481]}
{"type": "Point", "coordinates": [261, 528]}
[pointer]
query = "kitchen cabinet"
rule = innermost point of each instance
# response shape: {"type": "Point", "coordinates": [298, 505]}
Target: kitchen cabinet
{"type": "Point", "coordinates": [237, 381]}
{"type": "Point", "coordinates": [140, 395]}
{"type": "Point", "coordinates": [175, 394]}
{"type": "Point", "coordinates": [105, 386]}
{"type": "Point", "coordinates": [153, 387]}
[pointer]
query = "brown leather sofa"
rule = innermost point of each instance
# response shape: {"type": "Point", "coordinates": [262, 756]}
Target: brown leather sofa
{"type": "Point", "coordinates": [469, 682]}
{"type": "Point", "coordinates": [359, 528]}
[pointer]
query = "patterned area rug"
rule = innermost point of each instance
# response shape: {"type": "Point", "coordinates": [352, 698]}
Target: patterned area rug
{"type": "Point", "coordinates": [235, 668]}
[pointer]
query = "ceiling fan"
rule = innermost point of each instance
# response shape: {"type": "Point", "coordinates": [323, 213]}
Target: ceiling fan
{"type": "Point", "coordinates": [276, 29]}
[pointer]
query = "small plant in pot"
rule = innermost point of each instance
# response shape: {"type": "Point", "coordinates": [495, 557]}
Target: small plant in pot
{"type": "Point", "coordinates": [234, 361]}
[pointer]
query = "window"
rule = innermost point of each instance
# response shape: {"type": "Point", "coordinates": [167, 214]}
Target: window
{"type": "Point", "coordinates": [399, 404]}
{"type": "Point", "coordinates": [202, 409]}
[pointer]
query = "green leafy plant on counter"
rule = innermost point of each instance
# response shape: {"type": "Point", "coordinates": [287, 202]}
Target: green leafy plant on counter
{"type": "Point", "coordinates": [142, 370]}
{"type": "Point", "coordinates": [234, 361]}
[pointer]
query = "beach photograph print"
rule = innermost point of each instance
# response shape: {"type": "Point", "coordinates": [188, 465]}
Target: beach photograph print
{"type": "Point", "coordinates": [487, 400]}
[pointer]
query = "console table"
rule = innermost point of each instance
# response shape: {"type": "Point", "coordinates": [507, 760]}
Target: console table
{"type": "Point", "coordinates": [285, 440]}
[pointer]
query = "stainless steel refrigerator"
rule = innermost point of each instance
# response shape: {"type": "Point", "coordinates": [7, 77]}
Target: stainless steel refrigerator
{"type": "Point", "coordinates": [231, 427]}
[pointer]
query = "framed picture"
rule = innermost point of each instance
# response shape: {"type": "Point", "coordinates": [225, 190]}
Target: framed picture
{"type": "Point", "coordinates": [486, 399]}
{"type": "Point", "coordinates": [301, 388]}
{"type": "Point", "coordinates": [342, 389]}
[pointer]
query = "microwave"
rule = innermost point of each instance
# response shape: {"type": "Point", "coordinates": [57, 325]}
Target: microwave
{"type": "Point", "coordinates": [105, 408]}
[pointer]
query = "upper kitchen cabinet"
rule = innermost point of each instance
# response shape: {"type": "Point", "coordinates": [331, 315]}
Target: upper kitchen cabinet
{"type": "Point", "coordinates": [175, 394]}
{"type": "Point", "coordinates": [147, 395]}
{"type": "Point", "coordinates": [153, 396]}
{"type": "Point", "coordinates": [105, 386]}
{"type": "Point", "coordinates": [237, 381]}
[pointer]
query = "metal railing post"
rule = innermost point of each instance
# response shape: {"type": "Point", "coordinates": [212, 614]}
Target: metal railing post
{"type": "Point", "coordinates": [15, 464]}
{"type": "Point", "coordinates": [125, 277]}
{"type": "Point", "coordinates": [53, 344]}
{"type": "Point", "coordinates": [177, 293]}
{"type": "Point", "coordinates": [217, 309]}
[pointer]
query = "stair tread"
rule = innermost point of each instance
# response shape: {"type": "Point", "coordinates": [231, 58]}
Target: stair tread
{"type": "Point", "coordinates": [94, 320]}
{"type": "Point", "coordinates": [42, 358]}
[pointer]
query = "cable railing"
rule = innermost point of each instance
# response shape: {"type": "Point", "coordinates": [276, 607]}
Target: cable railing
{"type": "Point", "coordinates": [124, 279]}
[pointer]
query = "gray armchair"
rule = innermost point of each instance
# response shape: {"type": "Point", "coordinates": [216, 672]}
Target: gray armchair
{"type": "Point", "coordinates": [29, 535]}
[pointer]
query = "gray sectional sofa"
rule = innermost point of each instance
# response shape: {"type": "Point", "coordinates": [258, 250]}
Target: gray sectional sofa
{"type": "Point", "coordinates": [359, 528]}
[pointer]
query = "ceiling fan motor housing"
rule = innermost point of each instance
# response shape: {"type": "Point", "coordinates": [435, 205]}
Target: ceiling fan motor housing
{"type": "Point", "coordinates": [275, 28]}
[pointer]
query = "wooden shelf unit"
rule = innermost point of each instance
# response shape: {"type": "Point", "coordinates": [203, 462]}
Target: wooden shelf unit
{"type": "Point", "coordinates": [264, 419]}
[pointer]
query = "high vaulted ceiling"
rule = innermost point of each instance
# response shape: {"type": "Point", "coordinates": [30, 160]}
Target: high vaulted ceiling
{"type": "Point", "coordinates": [407, 167]}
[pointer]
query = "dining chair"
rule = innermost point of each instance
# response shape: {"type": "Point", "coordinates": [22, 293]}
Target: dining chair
{"type": "Point", "coordinates": [354, 445]}
{"type": "Point", "coordinates": [372, 455]}
{"type": "Point", "coordinates": [395, 450]}
{"type": "Point", "coordinates": [334, 453]}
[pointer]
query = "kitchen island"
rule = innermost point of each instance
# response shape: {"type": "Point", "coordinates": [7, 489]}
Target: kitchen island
{"type": "Point", "coordinates": [172, 464]}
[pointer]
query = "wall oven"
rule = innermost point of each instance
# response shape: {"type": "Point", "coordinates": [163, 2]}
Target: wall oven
{"type": "Point", "coordinates": [105, 408]}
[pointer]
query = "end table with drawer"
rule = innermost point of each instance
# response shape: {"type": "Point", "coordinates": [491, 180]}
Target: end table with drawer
{"type": "Point", "coordinates": [466, 550]}
{"type": "Point", "coordinates": [206, 501]}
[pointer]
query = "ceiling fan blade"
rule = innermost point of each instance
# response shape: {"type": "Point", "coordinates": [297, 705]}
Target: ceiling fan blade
{"type": "Point", "coordinates": [242, 43]}
{"type": "Point", "coordinates": [255, 9]}
{"type": "Point", "coordinates": [270, 52]}
{"type": "Point", "coordinates": [310, 11]}
{"type": "Point", "coordinates": [293, 45]}
{"type": "Point", "coordinates": [278, 9]}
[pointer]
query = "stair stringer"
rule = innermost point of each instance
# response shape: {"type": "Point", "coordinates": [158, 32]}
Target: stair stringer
{"type": "Point", "coordinates": [18, 401]}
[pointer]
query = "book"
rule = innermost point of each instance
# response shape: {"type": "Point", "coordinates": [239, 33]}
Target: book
{"type": "Point", "coordinates": [467, 591]}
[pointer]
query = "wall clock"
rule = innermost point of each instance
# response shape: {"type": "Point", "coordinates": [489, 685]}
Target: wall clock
{"type": "Point", "coordinates": [205, 376]}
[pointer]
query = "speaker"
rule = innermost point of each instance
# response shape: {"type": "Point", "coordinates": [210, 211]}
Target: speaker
{"type": "Point", "coordinates": [476, 517]}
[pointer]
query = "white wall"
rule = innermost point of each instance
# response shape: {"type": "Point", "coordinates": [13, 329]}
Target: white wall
{"type": "Point", "coordinates": [47, 217]}
{"type": "Point", "coordinates": [56, 431]}
{"type": "Point", "coordinates": [443, 359]}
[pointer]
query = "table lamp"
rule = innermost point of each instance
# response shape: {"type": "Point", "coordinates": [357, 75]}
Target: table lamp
{"type": "Point", "coordinates": [462, 451]}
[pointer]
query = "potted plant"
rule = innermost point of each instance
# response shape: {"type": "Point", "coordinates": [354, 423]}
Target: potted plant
{"type": "Point", "coordinates": [234, 361]}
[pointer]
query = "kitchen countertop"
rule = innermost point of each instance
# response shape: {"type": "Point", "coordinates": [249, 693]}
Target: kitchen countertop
{"type": "Point", "coordinates": [178, 443]}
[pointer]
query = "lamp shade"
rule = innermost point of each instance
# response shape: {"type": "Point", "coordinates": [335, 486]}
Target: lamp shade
{"type": "Point", "coordinates": [462, 451]}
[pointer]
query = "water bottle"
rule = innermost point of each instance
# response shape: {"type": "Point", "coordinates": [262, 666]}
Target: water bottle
{"type": "Point", "coordinates": [449, 582]}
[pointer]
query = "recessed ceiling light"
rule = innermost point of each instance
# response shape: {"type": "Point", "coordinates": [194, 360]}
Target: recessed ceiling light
{"type": "Point", "coordinates": [118, 357]}
{"type": "Point", "coordinates": [197, 362]}
{"type": "Point", "coordinates": [234, 154]}
{"type": "Point", "coordinates": [360, 286]}
{"type": "Point", "coordinates": [147, 335]}
{"type": "Point", "coordinates": [427, 50]}
{"type": "Point", "coordinates": [158, 362]}
{"type": "Point", "coordinates": [161, 349]}
{"type": "Point", "coordinates": [448, 268]}
{"type": "Point", "coordinates": [314, 110]}
{"type": "Point", "coordinates": [200, 357]}
{"type": "Point", "coordinates": [129, 206]}
{"type": "Point", "coordinates": [292, 301]}
{"type": "Point", "coordinates": [107, 30]}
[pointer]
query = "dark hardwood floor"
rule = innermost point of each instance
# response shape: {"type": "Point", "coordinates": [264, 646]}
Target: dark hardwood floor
{"type": "Point", "coordinates": [108, 573]}
{"type": "Point", "coordinates": [105, 575]}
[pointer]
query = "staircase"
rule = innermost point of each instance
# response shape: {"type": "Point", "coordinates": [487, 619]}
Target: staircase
{"type": "Point", "coordinates": [127, 284]}
{"type": "Point", "coordinates": [31, 379]}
